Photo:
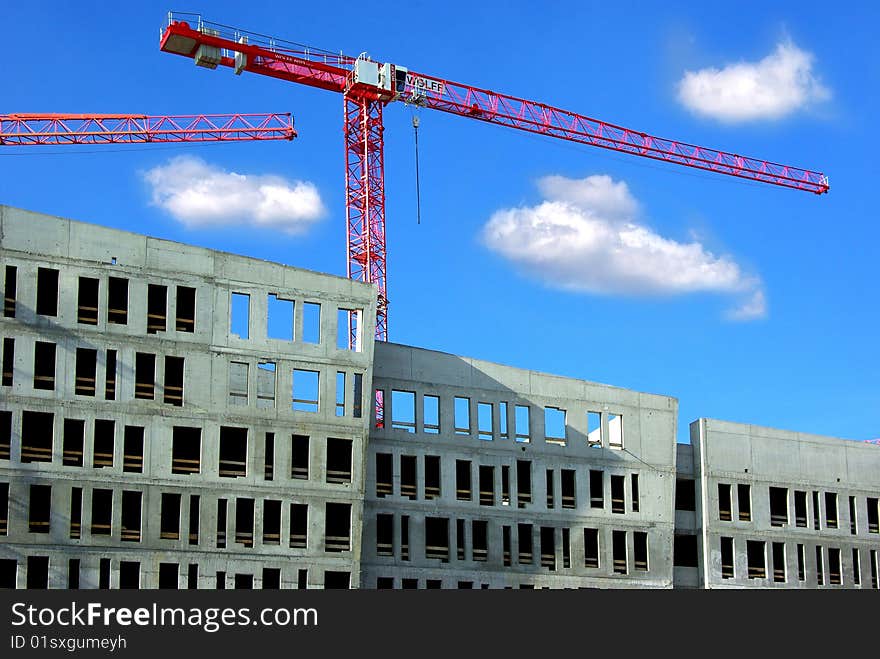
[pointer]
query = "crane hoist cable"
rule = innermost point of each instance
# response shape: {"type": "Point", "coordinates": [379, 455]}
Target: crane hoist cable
{"type": "Point", "coordinates": [415, 123]}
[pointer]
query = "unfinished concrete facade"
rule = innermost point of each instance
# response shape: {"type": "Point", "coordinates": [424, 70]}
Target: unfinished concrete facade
{"type": "Point", "coordinates": [764, 508]}
{"type": "Point", "coordinates": [172, 416]}
{"type": "Point", "coordinates": [177, 417]}
{"type": "Point", "coordinates": [486, 476]}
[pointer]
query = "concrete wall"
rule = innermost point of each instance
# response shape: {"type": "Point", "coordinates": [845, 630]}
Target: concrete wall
{"type": "Point", "coordinates": [842, 476]}
{"type": "Point", "coordinates": [648, 452]}
{"type": "Point", "coordinates": [213, 397]}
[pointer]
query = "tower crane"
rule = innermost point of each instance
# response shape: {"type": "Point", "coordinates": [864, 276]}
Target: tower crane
{"type": "Point", "coordinates": [367, 86]}
{"type": "Point", "coordinates": [42, 129]}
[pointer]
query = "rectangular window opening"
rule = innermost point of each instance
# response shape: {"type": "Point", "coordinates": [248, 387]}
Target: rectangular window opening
{"type": "Point", "coordinates": [524, 541]}
{"type": "Point", "coordinates": [618, 502]}
{"type": "Point", "coordinates": [800, 508]}
{"type": "Point", "coordinates": [432, 476]}
{"type": "Point", "coordinates": [727, 558]}
{"type": "Point", "coordinates": [244, 521]}
{"type": "Point", "coordinates": [403, 410]}
{"type": "Point", "coordinates": [801, 563]}
{"type": "Point", "coordinates": [133, 449]}
{"type": "Point", "coordinates": [853, 527]}
{"type": "Point", "coordinates": [523, 483]}
{"type": "Point", "coordinates": [744, 501]}
{"type": "Point", "coordinates": [615, 431]}
{"type": "Point", "coordinates": [551, 501]}
{"type": "Point", "coordinates": [37, 432]}
{"type": "Point", "coordinates": [266, 385]}
{"type": "Point", "coordinates": [5, 434]}
{"type": "Point", "coordinates": [640, 551]}
{"type": "Point", "coordinates": [778, 553]}
{"type": "Point", "coordinates": [357, 399]}
{"type": "Point", "coordinates": [831, 510]}
{"type": "Point", "coordinates": [104, 444]}
{"type": "Point", "coordinates": [72, 442]}
{"type": "Point", "coordinates": [185, 311]}
{"type": "Point", "coordinates": [110, 376]}
{"type": "Point", "coordinates": [87, 301]}
{"type": "Point", "coordinates": [480, 540]}
{"type": "Point", "coordinates": [9, 292]}
{"type": "Point", "coordinates": [304, 392]}
{"type": "Point", "coordinates": [340, 393]}
{"type": "Point", "coordinates": [569, 488]}
{"type": "Point", "coordinates": [431, 414]}
{"type": "Point", "coordinates": [39, 508]}
{"type": "Point", "coordinates": [311, 322]}
{"type": "Point", "coordinates": [169, 518]}
{"type": "Point", "coordinates": [522, 423]}
{"type": "Point", "coordinates": [384, 475]}
{"type": "Point", "coordinates": [269, 456]}
{"type": "Point", "coordinates": [408, 477]}
{"type": "Point", "coordinates": [239, 315]}
{"type": "Point", "coordinates": [131, 515]}
{"type": "Point", "coordinates": [591, 547]}
{"type": "Point", "coordinates": [186, 450]}
{"type": "Point", "coordinates": [299, 525]}
{"type": "Point", "coordinates": [157, 308]}
{"type": "Point", "coordinates": [338, 460]}
{"type": "Point", "coordinates": [299, 457]}
{"type": "Point", "coordinates": [8, 362]}
{"type": "Point", "coordinates": [873, 514]}
{"type": "Point", "coordinates": [597, 488]}
{"type": "Point", "coordinates": [725, 506]}
{"type": "Point", "coordinates": [835, 577]}
{"type": "Point", "coordinates": [462, 416]}
{"type": "Point", "coordinates": [484, 422]}
{"type": "Point", "coordinates": [279, 323]}
{"type": "Point", "coordinates": [487, 485]}
{"type": "Point", "coordinates": [233, 452]}
{"type": "Point", "coordinates": [337, 527]}
{"type": "Point", "coordinates": [144, 375]}
{"type": "Point", "coordinates": [117, 301]}
{"type": "Point", "coordinates": [778, 506]}
{"type": "Point", "coordinates": [173, 388]}
{"type": "Point", "coordinates": [594, 429]}
{"type": "Point", "coordinates": [348, 329]}
{"type": "Point", "coordinates": [757, 560]}
{"type": "Point", "coordinates": [102, 512]}
{"type": "Point", "coordinates": [548, 547]}
{"type": "Point", "coordinates": [47, 292]}
{"type": "Point", "coordinates": [271, 522]}
{"type": "Point", "coordinates": [44, 365]}
{"type": "Point", "coordinates": [437, 538]}
{"type": "Point", "coordinates": [554, 425]}
{"type": "Point", "coordinates": [384, 534]}
{"type": "Point", "coordinates": [618, 551]}
{"type": "Point", "coordinates": [221, 523]}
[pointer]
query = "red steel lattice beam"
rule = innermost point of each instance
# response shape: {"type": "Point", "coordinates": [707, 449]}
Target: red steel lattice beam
{"type": "Point", "coordinates": [37, 129]}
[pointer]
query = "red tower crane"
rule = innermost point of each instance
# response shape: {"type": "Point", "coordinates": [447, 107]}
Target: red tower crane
{"type": "Point", "coordinates": [367, 86]}
{"type": "Point", "coordinates": [35, 129]}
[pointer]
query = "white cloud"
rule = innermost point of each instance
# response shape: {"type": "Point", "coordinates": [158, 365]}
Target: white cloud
{"type": "Point", "coordinates": [199, 195]}
{"type": "Point", "coordinates": [771, 88]}
{"type": "Point", "coordinates": [585, 237]}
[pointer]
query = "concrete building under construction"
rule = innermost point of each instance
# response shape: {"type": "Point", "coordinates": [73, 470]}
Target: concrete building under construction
{"type": "Point", "coordinates": [177, 417]}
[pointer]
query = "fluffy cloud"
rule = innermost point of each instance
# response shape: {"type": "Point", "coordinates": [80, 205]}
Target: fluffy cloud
{"type": "Point", "coordinates": [199, 195]}
{"type": "Point", "coordinates": [586, 237]}
{"type": "Point", "coordinates": [771, 88]}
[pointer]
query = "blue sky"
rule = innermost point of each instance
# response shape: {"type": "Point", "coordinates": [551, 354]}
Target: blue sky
{"type": "Point", "coordinates": [493, 270]}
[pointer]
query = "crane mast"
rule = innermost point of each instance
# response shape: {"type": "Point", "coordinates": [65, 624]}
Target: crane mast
{"type": "Point", "coordinates": [367, 86]}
